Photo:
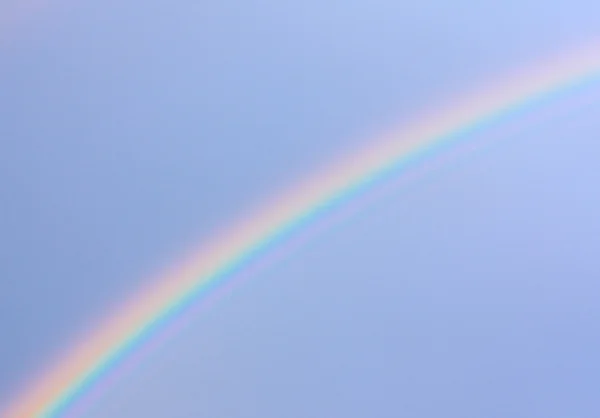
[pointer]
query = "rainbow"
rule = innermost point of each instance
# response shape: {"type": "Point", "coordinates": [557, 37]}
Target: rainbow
{"type": "Point", "coordinates": [232, 252]}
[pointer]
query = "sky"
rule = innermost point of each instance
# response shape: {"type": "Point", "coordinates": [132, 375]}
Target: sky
{"type": "Point", "coordinates": [131, 131]}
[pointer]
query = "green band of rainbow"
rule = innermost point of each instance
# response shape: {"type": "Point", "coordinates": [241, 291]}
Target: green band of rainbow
{"type": "Point", "coordinates": [234, 250]}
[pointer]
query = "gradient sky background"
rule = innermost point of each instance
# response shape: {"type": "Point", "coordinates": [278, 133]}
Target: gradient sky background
{"type": "Point", "coordinates": [132, 130]}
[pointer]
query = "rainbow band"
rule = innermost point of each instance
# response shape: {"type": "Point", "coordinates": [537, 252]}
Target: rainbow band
{"type": "Point", "coordinates": [231, 252]}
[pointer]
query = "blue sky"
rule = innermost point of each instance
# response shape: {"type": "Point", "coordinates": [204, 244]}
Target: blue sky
{"type": "Point", "coordinates": [132, 130]}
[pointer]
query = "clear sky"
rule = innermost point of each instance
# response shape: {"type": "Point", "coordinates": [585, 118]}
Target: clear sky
{"type": "Point", "coordinates": [130, 131]}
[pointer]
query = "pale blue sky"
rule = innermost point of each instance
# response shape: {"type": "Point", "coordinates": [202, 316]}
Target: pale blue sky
{"type": "Point", "coordinates": [132, 130]}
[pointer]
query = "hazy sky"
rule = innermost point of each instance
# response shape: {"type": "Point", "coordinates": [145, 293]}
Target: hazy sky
{"type": "Point", "coordinates": [130, 131]}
